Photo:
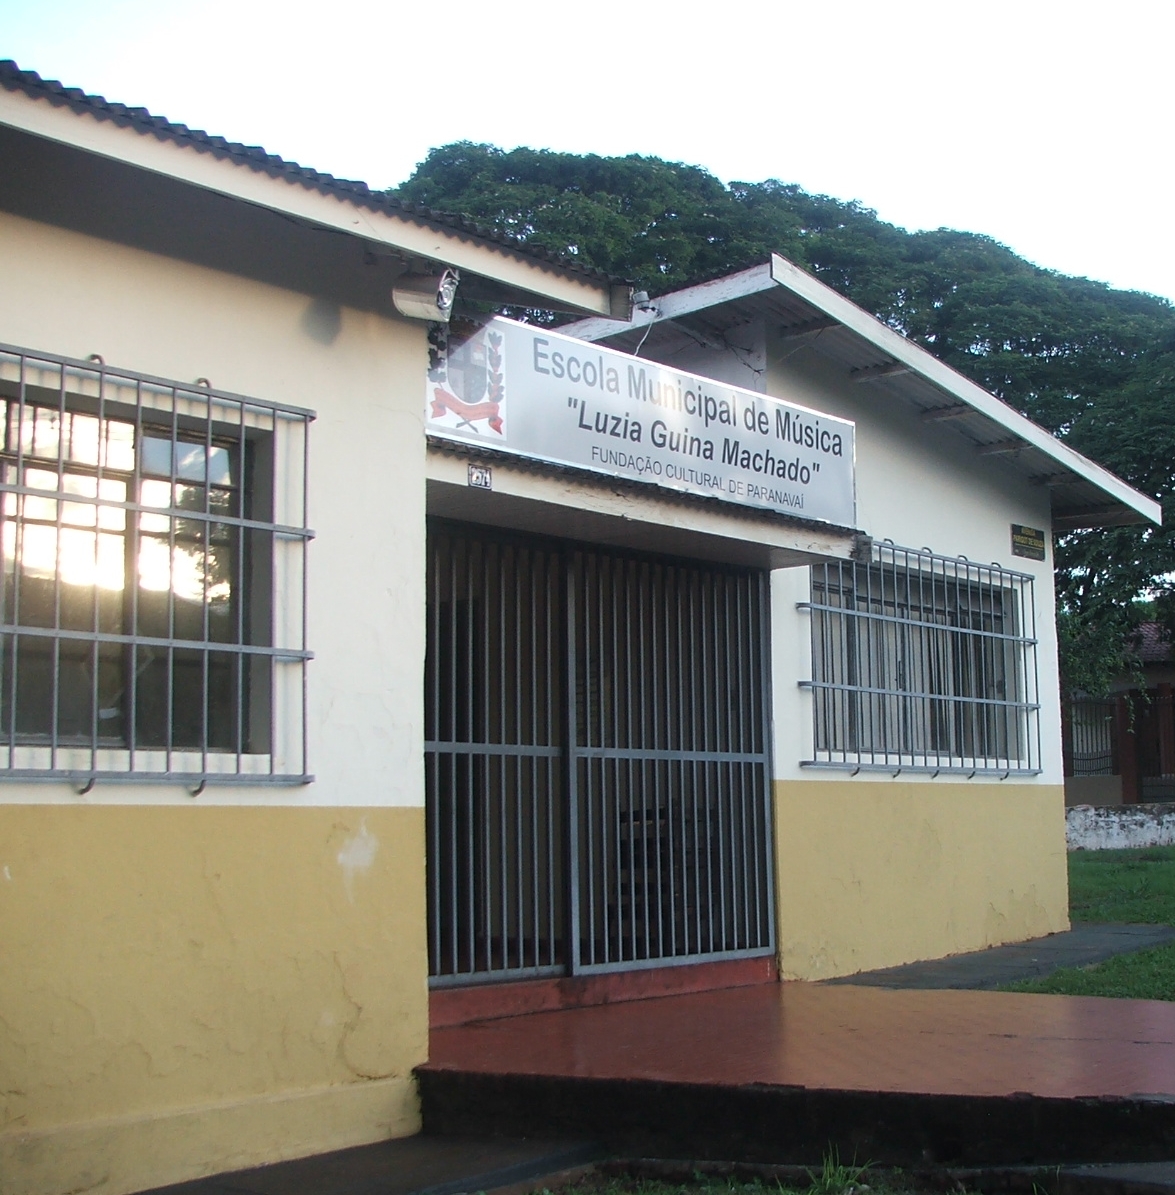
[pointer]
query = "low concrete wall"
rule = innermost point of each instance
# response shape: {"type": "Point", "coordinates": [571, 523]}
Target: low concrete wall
{"type": "Point", "coordinates": [1111, 827]}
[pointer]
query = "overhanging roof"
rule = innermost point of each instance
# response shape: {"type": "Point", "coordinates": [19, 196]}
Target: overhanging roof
{"type": "Point", "coordinates": [803, 310]}
{"type": "Point", "coordinates": [136, 137]}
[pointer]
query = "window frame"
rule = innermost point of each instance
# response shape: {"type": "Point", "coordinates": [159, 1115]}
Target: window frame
{"type": "Point", "coordinates": [923, 663]}
{"type": "Point", "coordinates": [262, 650]}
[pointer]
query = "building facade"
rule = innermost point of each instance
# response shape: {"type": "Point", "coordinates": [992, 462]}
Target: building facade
{"type": "Point", "coordinates": [316, 697]}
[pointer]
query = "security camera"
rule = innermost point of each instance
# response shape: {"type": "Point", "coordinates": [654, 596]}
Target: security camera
{"type": "Point", "coordinates": [426, 296]}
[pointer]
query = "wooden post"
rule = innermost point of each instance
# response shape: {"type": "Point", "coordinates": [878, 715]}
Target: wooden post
{"type": "Point", "coordinates": [1127, 751]}
{"type": "Point", "coordinates": [1066, 736]}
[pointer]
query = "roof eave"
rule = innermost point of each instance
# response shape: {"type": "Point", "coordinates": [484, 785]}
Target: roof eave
{"type": "Point", "coordinates": [308, 198]}
{"type": "Point", "coordinates": [1127, 505]}
{"type": "Point", "coordinates": [919, 361]}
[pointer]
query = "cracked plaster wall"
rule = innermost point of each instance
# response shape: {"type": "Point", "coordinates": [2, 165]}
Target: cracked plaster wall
{"type": "Point", "coordinates": [162, 959]}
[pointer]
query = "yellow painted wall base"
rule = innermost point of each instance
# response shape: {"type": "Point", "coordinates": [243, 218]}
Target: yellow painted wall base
{"type": "Point", "coordinates": [169, 1147]}
{"type": "Point", "coordinates": [188, 989]}
{"type": "Point", "coordinates": [875, 874]}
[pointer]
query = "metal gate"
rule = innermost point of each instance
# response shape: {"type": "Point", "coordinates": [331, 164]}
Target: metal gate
{"type": "Point", "coordinates": [597, 779]}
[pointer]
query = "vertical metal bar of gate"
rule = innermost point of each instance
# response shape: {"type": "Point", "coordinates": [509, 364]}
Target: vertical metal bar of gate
{"type": "Point", "coordinates": [670, 783]}
{"type": "Point", "coordinates": [570, 588]}
{"type": "Point", "coordinates": [494, 802]}
{"type": "Point", "coordinates": [598, 790]}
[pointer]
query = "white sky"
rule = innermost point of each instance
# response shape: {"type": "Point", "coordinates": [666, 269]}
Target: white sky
{"type": "Point", "coordinates": [1048, 126]}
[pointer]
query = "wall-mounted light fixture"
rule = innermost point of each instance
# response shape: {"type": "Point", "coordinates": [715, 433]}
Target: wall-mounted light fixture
{"type": "Point", "coordinates": [426, 296]}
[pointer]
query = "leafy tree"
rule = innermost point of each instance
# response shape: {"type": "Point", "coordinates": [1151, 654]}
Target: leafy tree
{"type": "Point", "coordinates": [1094, 365]}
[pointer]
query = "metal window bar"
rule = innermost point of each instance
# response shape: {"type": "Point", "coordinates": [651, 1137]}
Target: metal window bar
{"type": "Point", "coordinates": [151, 629]}
{"type": "Point", "coordinates": [923, 663]}
{"type": "Point", "coordinates": [598, 783]}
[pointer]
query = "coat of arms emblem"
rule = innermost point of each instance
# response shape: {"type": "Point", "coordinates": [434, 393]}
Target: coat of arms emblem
{"type": "Point", "coordinates": [466, 381]}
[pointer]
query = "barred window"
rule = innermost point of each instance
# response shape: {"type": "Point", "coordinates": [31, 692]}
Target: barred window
{"type": "Point", "coordinates": [924, 663]}
{"type": "Point", "coordinates": [152, 612]}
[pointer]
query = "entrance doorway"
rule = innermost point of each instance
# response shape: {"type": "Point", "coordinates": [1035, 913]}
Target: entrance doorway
{"type": "Point", "coordinates": [597, 767]}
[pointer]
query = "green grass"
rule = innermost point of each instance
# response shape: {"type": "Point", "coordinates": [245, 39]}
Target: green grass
{"type": "Point", "coordinates": [844, 1180]}
{"type": "Point", "coordinates": [1135, 886]}
{"type": "Point", "coordinates": [835, 1178]}
{"type": "Point", "coordinates": [1145, 975]}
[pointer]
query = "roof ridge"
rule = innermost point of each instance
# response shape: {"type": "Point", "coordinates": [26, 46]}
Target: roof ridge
{"type": "Point", "coordinates": [142, 120]}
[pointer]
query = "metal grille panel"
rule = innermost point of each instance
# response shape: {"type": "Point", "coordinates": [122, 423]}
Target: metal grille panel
{"type": "Point", "coordinates": [494, 731]}
{"type": "Point", "coordinates": [1090, 728]}
{"type": "Point", "coordinates": [669, 761]}
{"type": "Point", "coordinates": [596, 760]}
{"type": "Point", "coordinates": [924, 663]}
{"type": "Point", "coordinates": [154, 539]}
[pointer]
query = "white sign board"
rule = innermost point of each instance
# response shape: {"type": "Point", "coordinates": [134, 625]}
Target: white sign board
{"type": "Point", "coordinates": [529, 391]}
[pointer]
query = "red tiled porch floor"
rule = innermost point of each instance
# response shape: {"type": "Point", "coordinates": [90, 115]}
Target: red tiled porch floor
{"type": "Point", "coordinates": [777, 1072]}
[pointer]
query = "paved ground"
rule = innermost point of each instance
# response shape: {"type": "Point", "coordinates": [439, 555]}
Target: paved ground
{"type": "Point", "coordinates": [982, 970]}
{"type": "Point", "coordinates": [412, 1166]}
{"type": "Point", "coordinates": [1126, 1178]}
{"type": "Point", "coordinates": [838, 1038]}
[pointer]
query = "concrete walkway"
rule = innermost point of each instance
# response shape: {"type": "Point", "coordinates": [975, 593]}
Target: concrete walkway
{"type": "Point", "coordinates": [775, 1074]}
{"type": "Point", "coordinates": [984, 970]}
{"type": "Point", "coordinates": [410, 1166]}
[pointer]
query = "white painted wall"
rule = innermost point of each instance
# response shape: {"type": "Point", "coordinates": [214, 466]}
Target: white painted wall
{"type": "Point", "coordinates": [73, 295]}
{"type": "Point", "coordinates": [922, 487]}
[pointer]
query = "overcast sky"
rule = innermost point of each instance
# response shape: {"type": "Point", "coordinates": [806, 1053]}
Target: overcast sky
{"type": "Point", "coordinates": [1045, 125]}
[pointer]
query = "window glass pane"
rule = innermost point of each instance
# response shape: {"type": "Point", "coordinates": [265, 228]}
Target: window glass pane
{"type": "Point", "coordinates": [85, 514]}
{"type": "Point", "coordinates": [76, 690]}
{"type": "Point", "coordinates": [92, 580]}
{"type": "Point", "coordinates": [191, 461]}
{"type": "Point", "coordinates": [28, 677]}
{"type": "Point", "coordinates": [186, 576]}
{"type": "Point", "coordinates": [28, 667]}
{"type": "Point", "coordinates": [155, 493]}
{"type": "Point", "coordinates": [44, 433]}
{"type": "Point", "coordinates": [82, 439]}
{"type": "Point", "coordinates": [119, 446]}
{"type": "Point", "coordinates": [155, 458]}
{"type": "Point", "coordinates": [32, 602]}
{"type": "Point", "coordinates": [220, 466]}
{"type": "Point", "coordinates": [69, 553]}
{"type": "Point", "coordinates": [189, 497]}
{"type": "Point", "coordinates": [44, 509]}
{"type": "Point", "coordinates": [203, 696]}
{"type": "Point", "coordinates": [35, 432]}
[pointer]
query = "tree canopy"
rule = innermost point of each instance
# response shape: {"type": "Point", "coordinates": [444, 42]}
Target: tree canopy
{"type": "Point", "coordinates": [1094, 365]}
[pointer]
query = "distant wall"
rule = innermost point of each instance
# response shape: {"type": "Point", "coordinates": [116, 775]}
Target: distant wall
{"type": "Point", "coordinates": [1113, 827]}
{"type": "Point", "coordinates": [1093, 790]}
